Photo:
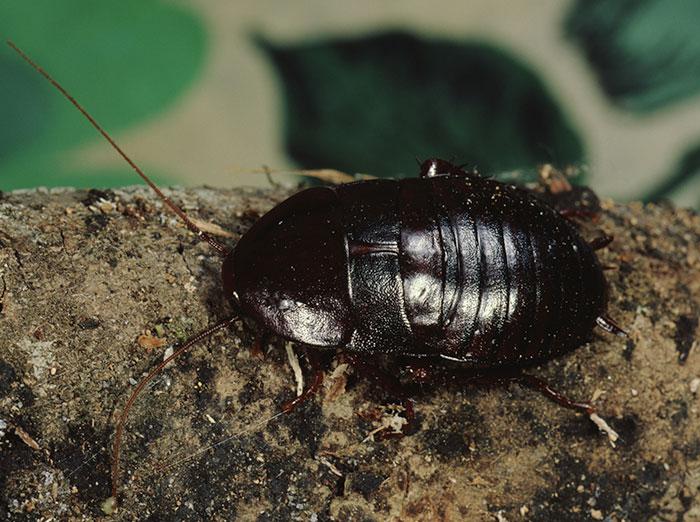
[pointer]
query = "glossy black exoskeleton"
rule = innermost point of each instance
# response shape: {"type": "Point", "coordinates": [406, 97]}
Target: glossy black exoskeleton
{"type": "Point", "coordinates": [450, 265]}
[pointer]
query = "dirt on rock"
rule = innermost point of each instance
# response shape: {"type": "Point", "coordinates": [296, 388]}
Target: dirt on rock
{"type": "Point", "coordinates": [95, 286]}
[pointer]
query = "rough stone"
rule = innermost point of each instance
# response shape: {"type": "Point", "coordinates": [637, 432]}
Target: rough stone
{"type": "Point", "coordinates": [83, 274]}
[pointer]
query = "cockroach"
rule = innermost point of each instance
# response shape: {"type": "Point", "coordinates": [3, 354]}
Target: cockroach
{"type": "Point", "coordinates": [448, 269]}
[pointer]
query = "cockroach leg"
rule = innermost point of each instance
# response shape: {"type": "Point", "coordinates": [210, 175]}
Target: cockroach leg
{"type": "Point", "coordinates": [545, 389]}
{"type": "Point", "coordinates": [316, 382]}
{"type": "Point", "coordinates": [609, 326]}
{"type": "Point", "coordinates": [259, 342]}
{"type": "Point", "coordinates": [501, 377]}
{"type": "Point", "coordinates": [601, 242]}
{"type": "Point", "coordinates": [369, 368]}
{"type": "Point", "coordinates": [506, 376]}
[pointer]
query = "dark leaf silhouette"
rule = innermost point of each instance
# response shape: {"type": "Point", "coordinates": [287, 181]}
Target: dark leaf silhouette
{"type": "Point", "coordinates": [375, 104]}
{"type": "Point", "coordinates": [646, 53]}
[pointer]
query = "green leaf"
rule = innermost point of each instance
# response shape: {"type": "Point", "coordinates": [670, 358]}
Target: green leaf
{"type": "Point", "coordinates": [646, 53]}
{"type": "Point", "coordinates": [375, 104]}
{"type": "Point", "coordinates": [125, 62]}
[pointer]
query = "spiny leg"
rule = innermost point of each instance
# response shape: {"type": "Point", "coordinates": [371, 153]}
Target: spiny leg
{"type": "Point", "coordinates": [316, 382]}
{"type": "Point", "coordinates": [610, 326]}
{"type": "Point", "coordinates": [257, 349]}
{"type": "Point", "coordinates": [545, 389]}
{"type": "Point", "coordinates": [504, 377]}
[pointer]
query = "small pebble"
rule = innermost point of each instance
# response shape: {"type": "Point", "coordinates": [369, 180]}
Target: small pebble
{"type": "Point", "coordinates": [108, 505]}
{"type": "Point", "coordinates": [695, 385]}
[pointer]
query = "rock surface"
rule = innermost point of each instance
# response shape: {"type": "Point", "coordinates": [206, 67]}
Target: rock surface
{"type": "Point", "coordinates": [84, 274]}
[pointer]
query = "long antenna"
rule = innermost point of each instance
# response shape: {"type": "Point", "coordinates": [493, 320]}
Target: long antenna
{"type": "Point", "coordinates": [221, 249]}
{"type": "Point", "coordinates": [155, 371]}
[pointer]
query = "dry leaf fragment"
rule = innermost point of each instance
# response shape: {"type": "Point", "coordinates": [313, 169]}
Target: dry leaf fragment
{"type": "Point", "coordinates": [26, 438]}
{"type": "Point", "coordinates": [294, 363]}
{"type": "Point", "coordinates": [554, 179]}
{"type": "Point", "coordinates": [329, 176]}
{"type": "Point", "coordinates": [211, 228]}
{"type": "Point", "coordinates": [335, 383]}
{"type": "Point", "coordinates": [149, 341]}
{"type": "Point", "coordinates": [605, 428]}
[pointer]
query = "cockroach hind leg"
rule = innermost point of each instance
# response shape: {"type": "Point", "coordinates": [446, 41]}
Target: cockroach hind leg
{"type": "Point", "coordinates": [290, 406]}
{"type": "Point", "coordinates": [610, 326]}
{"type": "Point", "coordinates": [545, 389]}
{"type": "Point", "coordinates": [257, 350]}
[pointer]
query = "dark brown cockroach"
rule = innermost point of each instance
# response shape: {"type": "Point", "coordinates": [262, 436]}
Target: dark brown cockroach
{"type": "Point", "coordinates": [450, 269]}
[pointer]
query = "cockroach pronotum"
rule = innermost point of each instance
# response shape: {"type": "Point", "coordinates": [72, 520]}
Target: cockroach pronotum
{"type": "Point", "coordinates": [450, 274]}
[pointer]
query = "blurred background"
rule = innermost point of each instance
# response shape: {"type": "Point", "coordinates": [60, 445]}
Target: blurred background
{"type": "Point", "coordinates": [209, 91]}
